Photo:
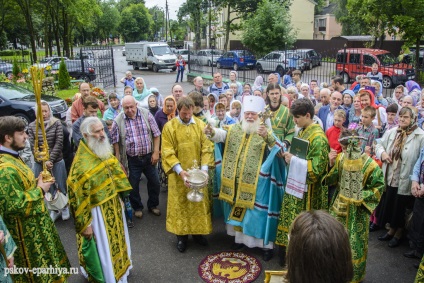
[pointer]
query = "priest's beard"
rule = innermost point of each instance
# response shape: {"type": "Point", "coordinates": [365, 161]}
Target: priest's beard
{"type": "Point", "coordinates": [250, 127]}
{"type": "Point", "coordinates": [101, 148]}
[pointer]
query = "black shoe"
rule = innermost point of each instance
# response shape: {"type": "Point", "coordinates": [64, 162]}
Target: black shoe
{"type": "Point", "coordinates": [393, 243]}
{"type": "Point", "coordinates": [237, 246]}
{"type": "Point", "coordinates": [268, 253]}
{"type": "Point", "coordinates": [374, 227]}
{"type": "Point", "coordinates": [411, 254]}
{"type": "Point", "coordinates": [385, 237]}
{"type": "Point", "coordinates": [182, 243]}
{"type": "Point", "coordinates": [417, 265]}
{"type": "Point", "coordinates": [282, 256]}
{"type": "Point", "coordinates": [130, 224]}
{"type": "Point", "coordinates": [201, 240]}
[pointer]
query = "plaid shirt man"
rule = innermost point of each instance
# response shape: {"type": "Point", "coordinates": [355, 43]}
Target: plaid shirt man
{"type": "Point", "coordinates": [370, 133]}
{"type": "Point", "coordinates": [138, 139]}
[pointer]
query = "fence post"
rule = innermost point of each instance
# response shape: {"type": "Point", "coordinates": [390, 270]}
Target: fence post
{"type": "Point", "coordinates": [244, 59]}
{"type": "Point", "coordinates": [189, 58]}
{"type": "Point", "coordinates": [344, 60]}
{"type": "Point", "coordinates": [213, 48]}
{"type": "Point", "coordinates": [113, 67]}
{"type": "Point", "coordinates": [82, 61]}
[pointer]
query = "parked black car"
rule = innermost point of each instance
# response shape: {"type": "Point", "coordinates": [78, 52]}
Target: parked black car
{"type": "Point", "coordinates": [76, 71]}
{"type": "Point", "coordinates": [19, 102]}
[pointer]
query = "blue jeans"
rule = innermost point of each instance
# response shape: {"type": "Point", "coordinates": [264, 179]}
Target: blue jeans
{"type": "Point", "coordinates": [138, 165]}
{"type": "Point", "coordinates": [180, 70]}
{"type": "Point", "coordinates": [59, 173]}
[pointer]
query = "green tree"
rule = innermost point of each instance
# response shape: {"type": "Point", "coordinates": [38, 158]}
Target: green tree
{"type": "Point", "coordinates": [410, 22]}
{"type": "Point", "coordinates": [269, 24]}
{"type": "Point", "coordinates": [193, 11]}
{"type": "Point", "coordinates": [136, 23]}
{"type": "Point", "coordinates": [109, 21]}
{"type": "Point", "coordinates": [3, 40]}
{"type": "Point", "coordinates": [64, 78]}
{"type": "Point", "coordinates": [15, 69]}
{"type": "Point", "coordinates": [158, 16]}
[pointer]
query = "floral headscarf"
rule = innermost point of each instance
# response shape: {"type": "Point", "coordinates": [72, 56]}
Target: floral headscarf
{"type": "Point", "coordinates": [170, 114]}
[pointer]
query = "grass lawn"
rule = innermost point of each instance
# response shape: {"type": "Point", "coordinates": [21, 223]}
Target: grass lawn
{"type": "Point", "coordinates": [66, 93]}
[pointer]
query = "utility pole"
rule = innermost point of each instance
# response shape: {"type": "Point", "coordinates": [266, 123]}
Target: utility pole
{"type": "Point", "coordinates": [166, 21]}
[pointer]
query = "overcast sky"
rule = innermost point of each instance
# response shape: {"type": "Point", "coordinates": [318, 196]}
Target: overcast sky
{"type": "Point", "coordinates": [173, 6]}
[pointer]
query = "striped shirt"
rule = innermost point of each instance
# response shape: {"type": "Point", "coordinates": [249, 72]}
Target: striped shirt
{"type": "Point", "coordinates": [138, 140]}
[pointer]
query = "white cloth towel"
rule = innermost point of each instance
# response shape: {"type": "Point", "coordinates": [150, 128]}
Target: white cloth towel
{"type": "Point", "coordinates": [296, 179]}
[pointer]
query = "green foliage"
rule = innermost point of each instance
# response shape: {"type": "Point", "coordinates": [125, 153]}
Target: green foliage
{"type": "Point", "coordinates": [158, 16]}
{"type": "Point", "coordinates": [3, 40]}
{"type": "Point", "coordinates": [15, 69]}
{"type": "Point", "coordinates": [136, 23]}
{"type": "Point", "coordinates": [194, 10]}
{"type": "Point", "coordinates": [268, 29]}
{"type": "Point", "coordinates": [108, 22]}
{"type": "Point", "coordinates": [64, 78]}
{"type": "Point", "coordinates": [14, 52]}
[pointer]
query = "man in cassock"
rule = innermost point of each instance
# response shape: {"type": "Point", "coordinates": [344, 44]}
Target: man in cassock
{"type": "Point", "coordinates": [360, 183]}
{"type": "Point", "coordinates": [184, 142]}
{"type": "Point", "coordinates": [252, 177]}
{"type": "Point", "coordinates": [23, 210]}
{"type": "Point", "coordinates": [303, 189]}
{"type": "Point", "coordinates": [281, 122]}
{"type": "Point", "coordinates": [96, 184]}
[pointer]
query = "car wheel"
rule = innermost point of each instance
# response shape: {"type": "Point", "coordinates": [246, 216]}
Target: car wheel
{"type": "Point", "coordinates": [387, 82]}
{"type": "Point", "coordinates": [155, 68]}
{"type": "Point", "coordinates": [135, 66]}
{"type": "Point", "coordinates": [259, 68]}
{"type": "Point", "coordinates": [9, 75]}
{"type": "Point", "coordinates": [235, 67]}
{"type": "Point", "coordinates": [174, 68]}
{"type": "Point", "coordinates": [280, 71]}
{"type": "Point", "coordinates": [85, 78]}
{"type": "Point", "coordinates": [218, 65]}
{"type": "Point", "coordinates": [197, 62]}
{"type": "Point", "coordinates": [319, 63]}
{"type": "Point", "coordinates": [23, 117]}
{"type": "Point", "coordinates": [310, 66]}
{"type": "Point", "coordinates": [345, 77]}
{"type": "Point", "coordinates": [209, 63]}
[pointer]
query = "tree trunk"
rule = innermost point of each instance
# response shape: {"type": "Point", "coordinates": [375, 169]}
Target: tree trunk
{"type": "Point", "coordinates": [25, 7]}
{"type": "Point", "coordinates": [227, 28]}
{"type": "Point", "coordinates": [65, 33]}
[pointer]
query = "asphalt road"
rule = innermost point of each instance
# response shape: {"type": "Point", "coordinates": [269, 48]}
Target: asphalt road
{"type": "Point", "coordinates": [154, 254]}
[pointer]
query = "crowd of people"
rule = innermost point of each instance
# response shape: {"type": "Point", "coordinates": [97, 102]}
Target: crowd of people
{"type": "Point", "coordinates": [284, 160]}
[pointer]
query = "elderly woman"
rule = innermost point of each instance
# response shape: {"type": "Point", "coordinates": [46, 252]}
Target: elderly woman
{"type": "Point", "coordinates": [55, 164]}
{"type": "Point", "coordinates": [399, 150]}
{"type": "Point", "coordinates": [414, 90]}
{"type": "Point", "coordinates": [141, 92]}
{"type": "Point", "coordinates": [367, 99]}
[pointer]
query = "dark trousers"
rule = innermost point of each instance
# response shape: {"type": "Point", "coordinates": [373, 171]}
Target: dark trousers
{"type": "Point", "coordinates": [180, 70]}
{"type": "Point", "coordinates": [416, 231]}
{"type": "Point", "coordinates": [138, 165]}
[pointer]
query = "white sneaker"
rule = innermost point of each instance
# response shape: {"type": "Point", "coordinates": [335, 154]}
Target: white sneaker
{"type": "Point", "coordinates": [65, 213]}
{"type": "Point", "coordinates": [54, 215]}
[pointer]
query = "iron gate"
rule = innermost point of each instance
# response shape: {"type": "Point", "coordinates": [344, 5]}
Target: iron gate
{"type": "Point", "coordinates": [101, 60]}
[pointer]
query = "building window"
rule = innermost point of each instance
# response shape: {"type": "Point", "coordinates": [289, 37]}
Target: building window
{"type": "Point", "coordinates": [322, 23]}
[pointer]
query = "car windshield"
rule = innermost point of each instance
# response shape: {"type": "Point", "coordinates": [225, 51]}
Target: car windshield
{"type": "Point", "coordinates": [245, 53]}
{"type": "Point", "coordinates": [387, 59]}
{"type": "Point", "coordinates": [45, 60]}
{"type": "Point", "coordinates": [161, 50]}
{"type": "Point", "coordinates": [11, 91]}
{"type": "Point", "coordinates": [183, 52]}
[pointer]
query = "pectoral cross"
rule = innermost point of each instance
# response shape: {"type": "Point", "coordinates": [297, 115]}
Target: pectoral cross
{"type": "Point", "coordinates": [265, 115]}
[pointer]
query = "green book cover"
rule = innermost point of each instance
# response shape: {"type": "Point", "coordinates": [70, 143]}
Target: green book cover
{"type": "Point", "coordinates": [299, 147]}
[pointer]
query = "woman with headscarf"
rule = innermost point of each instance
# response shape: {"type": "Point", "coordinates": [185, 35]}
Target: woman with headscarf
{"type": "Point", "coordinates": [367, 99]}
{"type": "Point", "coordinates": [212, 101]}
{"type": "Point", "coordinates": [258, 83]}
{"type": "Point", "coordinates": [114, 107]}
{"type": "Point", "coordinates": [153, 104]}
{"type": "Point", "coordinates": [414, 90]}
{"type": "Point", "coordinates": [141, 92]}
{"type": "Point", "coordinates": [55, 164]}
{"type": "Point", "coordinates": [247, 90]}
{"type": "Point", "coordinates": [399, 92]}
{"type": "Point", "coordinates": [167, 113]}
{"type": "Point", "coordinates": [236, 111]}
{"type": "Point", "coordinates": [399, 150]}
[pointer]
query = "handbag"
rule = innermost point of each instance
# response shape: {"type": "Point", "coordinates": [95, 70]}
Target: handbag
{"type": "Point", "coordinates": [56, 202]}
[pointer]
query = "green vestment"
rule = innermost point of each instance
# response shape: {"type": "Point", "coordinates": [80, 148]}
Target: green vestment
{"type": "Point", "coordinates": [317, 195]}
{"type": "Point", "coordinates": [354, 201]}
{"type": "Point", "coordinates": [28, 220]}
{"type": "Point", "coordinates": [282, 124]}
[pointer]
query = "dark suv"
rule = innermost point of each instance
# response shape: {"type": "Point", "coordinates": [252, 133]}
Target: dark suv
{"type": "Point", "coordinates": [19, 102]}
{"type": "Point", "coordinates": [76, 71]}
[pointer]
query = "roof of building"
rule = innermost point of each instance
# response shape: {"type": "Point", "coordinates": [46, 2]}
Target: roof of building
{"type": "Point", "coordinates": [328, 10]}
{"type": "Point", "coordinates": [354, 37]}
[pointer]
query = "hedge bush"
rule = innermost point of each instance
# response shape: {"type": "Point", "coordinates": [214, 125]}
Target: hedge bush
{"type": "Point", "coordinates": [15, 69]}
{"type": "Point", "coordinates": [14, 52]}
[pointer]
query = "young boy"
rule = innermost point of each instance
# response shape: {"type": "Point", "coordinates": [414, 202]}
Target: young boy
{"type": "Point", "coordinates": [333, 133]}
{"type": "Point", "coordinates": [223, 99]}
{"type": "Point", "coordinates": [367, 129]}
{"type": "Point", "coordinates": [312, 195]}
{"type": "Point", "coordinates": [375, 74]}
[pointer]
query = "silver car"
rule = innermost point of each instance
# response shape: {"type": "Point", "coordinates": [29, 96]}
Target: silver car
{"type": "Point", "coordinates": [206, 57]}
{"type": "Point", "coordinates": [6, 68]}
{"type": "Point", "coordinates": [278, 61]}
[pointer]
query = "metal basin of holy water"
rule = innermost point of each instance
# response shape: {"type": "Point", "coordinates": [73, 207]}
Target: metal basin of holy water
{"type": "Point", "coordinates": [198, 179]}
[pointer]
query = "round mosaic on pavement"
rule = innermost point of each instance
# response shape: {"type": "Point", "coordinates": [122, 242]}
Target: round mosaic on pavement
{"type": "Point", "coordinates": [229, 267]}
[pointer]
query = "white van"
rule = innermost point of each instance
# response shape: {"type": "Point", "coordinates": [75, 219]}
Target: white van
{"type": "Point", "coordinates": [153, 55]}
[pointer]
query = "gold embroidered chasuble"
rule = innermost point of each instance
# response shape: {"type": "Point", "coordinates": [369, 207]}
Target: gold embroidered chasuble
{"type": "Point", "coordinates": [317, 195]}
{"type": "Point", "coordinates": [241, 165]}
{"type": "Point", "coordinates": [29, 223]}
{"type": "Point", "coordinates": [93, 183]}
{"type": "Point", "coordinates": [182, 144]}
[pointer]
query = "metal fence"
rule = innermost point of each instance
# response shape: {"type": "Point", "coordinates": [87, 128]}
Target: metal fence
{"type": "Point", "coordinates": [348, 63]}
{"type": "Point", "coordinates": [92, 64]}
